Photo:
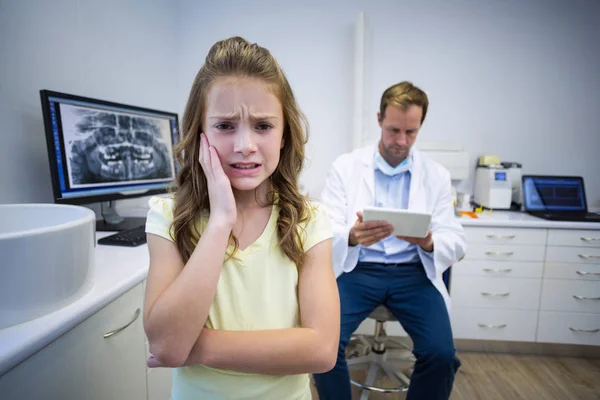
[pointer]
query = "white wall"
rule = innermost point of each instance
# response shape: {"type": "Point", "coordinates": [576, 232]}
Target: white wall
{"type": "Point", "coordinates": [122, 51]}
{"type": "Point", "coordinates": [508, 77]}
{"type": "Point", "coordinates": [513, 78]}
{"type": "Point", "coordinates": [519, 79]}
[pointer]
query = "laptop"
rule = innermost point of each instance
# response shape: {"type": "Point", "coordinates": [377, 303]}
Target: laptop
{"type": "Point", "coordinates": [556, 198]}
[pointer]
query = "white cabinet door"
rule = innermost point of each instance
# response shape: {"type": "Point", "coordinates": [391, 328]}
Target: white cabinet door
{"type": "Point", "coordinates": [571, 295]}
{"type": "Point", "coordinates": [573, 328]}
{"type": "Point", "coordinates": [488, 324]}
{"type": "Point", "coordinates": [589, 272]}
{"type": "Point", "coordinates": [489, 292]}
{"type": "Point", "coordinates": [563, 254]}
{"type": "Point", "coordinates": [494, 235]}
{"type": "Point", "coordinates": [505, 252]}
{"type": "Point", "coordinates": [504, 269]}
{"type": "Point", "coordinates": [82, 364]}
{"type": "Point", "coordinates": [568, 237]}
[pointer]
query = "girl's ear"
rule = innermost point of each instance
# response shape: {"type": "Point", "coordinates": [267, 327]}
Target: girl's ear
{"type": "Point", "coordinates": [282, 143]}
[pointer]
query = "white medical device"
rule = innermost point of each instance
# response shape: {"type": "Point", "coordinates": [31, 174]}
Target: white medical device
{"type": "Point", "coordinates": [493, 187]}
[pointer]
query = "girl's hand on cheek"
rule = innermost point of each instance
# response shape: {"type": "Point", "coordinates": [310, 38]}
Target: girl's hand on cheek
{"type": "Point", "coordinates": [220, 194]}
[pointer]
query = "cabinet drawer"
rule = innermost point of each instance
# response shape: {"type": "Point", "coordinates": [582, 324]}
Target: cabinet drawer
{"type": "Point", "coordinates": [485, 292]}
{"type": "Point", "coordinates": [507, 269]}
{"type": "Point", "coordinates": [572, 328]}
{"type": "Point", "coordinates": [567, 295]}
{"type": "Point", "coordinates": [505, 235]}
{"type": "Point", "coordinates": [588, 272]}
{"type": "Point", "coordinates": [505, 252]}
{"type": "Point", "coordinates": [568, 237]}
{"type": "Point", "coordinates": [561, 254]}
{"type": "Point", "coordinates": [476, 323]}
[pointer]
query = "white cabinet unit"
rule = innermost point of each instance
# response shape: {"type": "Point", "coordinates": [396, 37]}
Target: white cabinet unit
{"type": "Point", "coordinates": [526, 284]}
{"type": "Point", "coordinates": [496, 288]}
{"type": "Point", "coordinates": [570, 305]}
{"type": "Point", "coordinates": [101, 358]}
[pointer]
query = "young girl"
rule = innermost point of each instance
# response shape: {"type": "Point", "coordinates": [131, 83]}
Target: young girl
{"type": "Point", "coordinates": [241, 297]}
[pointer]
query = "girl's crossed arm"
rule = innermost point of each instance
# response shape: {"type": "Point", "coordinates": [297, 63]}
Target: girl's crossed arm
{"type": "Point", "coordinates": [312, 348]}
{"type": "Point", "coordinates": [178, 299]}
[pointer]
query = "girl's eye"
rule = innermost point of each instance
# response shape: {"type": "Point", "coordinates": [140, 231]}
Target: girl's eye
{"type": "Point", "coordinates": [264, 127]}
{"type": "Point", "coordinates": [224, 126]}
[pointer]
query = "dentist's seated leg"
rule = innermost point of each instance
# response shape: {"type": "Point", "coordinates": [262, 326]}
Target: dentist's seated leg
{"type": "Point", "coordinates": [421, 310]}
{"type": "Point", "coordinates": [407, 292]}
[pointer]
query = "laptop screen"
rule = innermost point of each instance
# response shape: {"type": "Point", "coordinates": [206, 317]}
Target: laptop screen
{"type": "Point", "coordinates": [553, 193]}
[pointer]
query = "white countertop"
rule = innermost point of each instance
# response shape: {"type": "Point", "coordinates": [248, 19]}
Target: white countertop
{"type": "Point", "coordinates": [118, 269]}
{"type": "Point", "coordinates": [514, 219]}
{"type": "Point", "coordinates": [115, 271]}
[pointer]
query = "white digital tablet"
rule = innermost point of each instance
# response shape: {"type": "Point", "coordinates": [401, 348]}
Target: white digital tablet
{"type": "Point", "coordinates": [405, 222]}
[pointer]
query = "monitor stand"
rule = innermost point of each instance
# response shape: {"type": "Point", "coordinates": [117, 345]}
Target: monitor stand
{"type": "Point", "coordinates": [112, 221]}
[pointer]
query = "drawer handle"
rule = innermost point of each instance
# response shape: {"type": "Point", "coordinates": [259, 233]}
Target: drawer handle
{"type": "Point", "coordinates": [586, 298]}
{"type": "Point", "coordinates": [491, 326]}
{"type": "Point", "coordinates": [587, 256]}
{"type": "Point", "coordinates": [585, 330]}
{"type": "Point", "coordinates": [587, 273]}
{"type": "Point", "coordinates": [494, 236]}
{"type": "Point", "coordinates": [589, 239]}
{"type": "Point", "coordinates": [487, 294]}
{"type": "Point", "coordinates": [497, 270]}
{"type": "Point", "coordinates": [499, 253]}
{"type": "Point", "coordinates": [111, 333]}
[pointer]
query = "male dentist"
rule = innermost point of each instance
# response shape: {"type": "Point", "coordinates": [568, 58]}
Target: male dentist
{"type": "Point", "coordinates": [374, 267]}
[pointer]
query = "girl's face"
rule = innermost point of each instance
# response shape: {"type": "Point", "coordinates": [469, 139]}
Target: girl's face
{"type": "Point", "coordinates": [244, 122]}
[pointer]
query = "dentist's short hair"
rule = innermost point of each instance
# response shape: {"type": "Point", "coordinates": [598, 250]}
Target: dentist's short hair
{"type": "Point", "coordinates": [403, 95]}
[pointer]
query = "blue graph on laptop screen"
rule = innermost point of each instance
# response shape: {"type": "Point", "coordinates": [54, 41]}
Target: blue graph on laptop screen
{"type": "Point", "coordinates": [554, 194]}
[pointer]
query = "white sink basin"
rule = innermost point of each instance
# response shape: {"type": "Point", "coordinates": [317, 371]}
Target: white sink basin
{"type": "Point", "coordinates": [46, 258]}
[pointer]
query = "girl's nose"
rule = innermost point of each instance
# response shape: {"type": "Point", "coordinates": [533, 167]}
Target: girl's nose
{"type": "Point", "coordinates": [244, 141]}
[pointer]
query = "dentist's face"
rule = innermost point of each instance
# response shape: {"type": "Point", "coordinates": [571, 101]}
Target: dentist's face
{"type": "Point", "coordinates": [399, 129]}
{"type": "Point", "coordinates": [244, 121]}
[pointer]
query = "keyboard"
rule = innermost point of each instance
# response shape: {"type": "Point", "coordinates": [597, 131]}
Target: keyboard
{"type": "Point", "coordinates": [129, 238]}
{"type": "Point", "coordinates": [582, 217]}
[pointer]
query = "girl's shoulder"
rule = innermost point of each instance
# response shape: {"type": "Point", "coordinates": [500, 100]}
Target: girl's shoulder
{"type": "Point", "coordinates": [162, 205]}
{"type": "Point", "coordinates": [160, 216]}
{"type": "Point", "coordinates": [315, 210]}
{"type": "Point", "coordinates": [317, 226]}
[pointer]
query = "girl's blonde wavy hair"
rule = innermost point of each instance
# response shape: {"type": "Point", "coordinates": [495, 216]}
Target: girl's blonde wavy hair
{"type": "Point", "coordinates": [237, 57]}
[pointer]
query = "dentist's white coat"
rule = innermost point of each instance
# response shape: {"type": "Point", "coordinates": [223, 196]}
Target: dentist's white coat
{"type": "Point", "coordinates": [350, 187]}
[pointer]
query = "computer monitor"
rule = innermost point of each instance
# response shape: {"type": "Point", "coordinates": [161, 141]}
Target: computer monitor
{"type": "Point", "coordinates": [100, 151]}
{"type": "Point", "coordinates": [554, 193]}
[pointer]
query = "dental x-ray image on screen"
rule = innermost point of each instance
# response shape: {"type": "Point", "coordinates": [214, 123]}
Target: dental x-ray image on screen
{"type": "Point", "coordinates": [108, 147]}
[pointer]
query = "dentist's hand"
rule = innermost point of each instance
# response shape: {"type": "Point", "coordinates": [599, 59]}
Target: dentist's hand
{"type": "Point", "coordinates": [220, 194]}
{"type": "Point", "coordinates": [368, 233]}
{"type": "Point", "coordinates": [426, 243]}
